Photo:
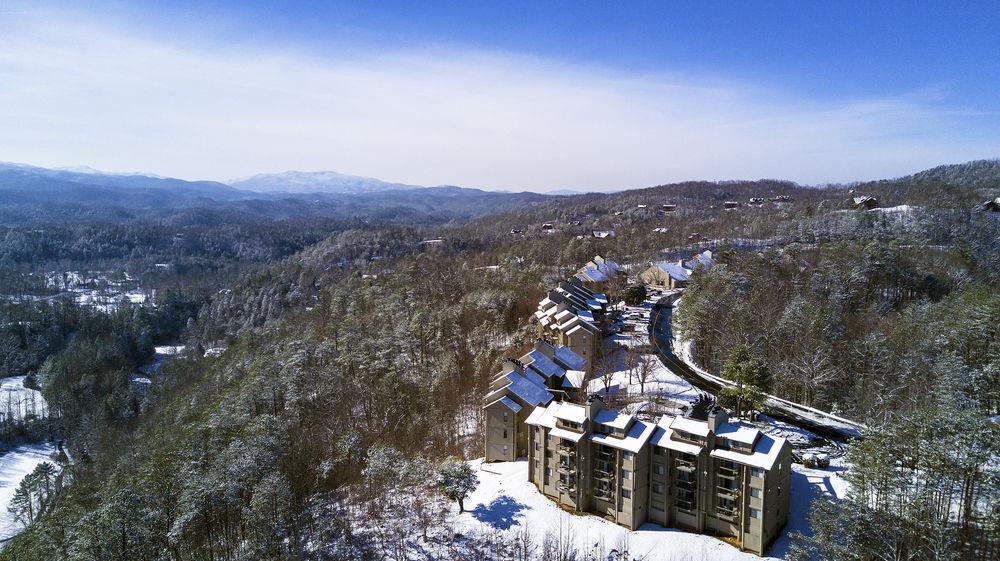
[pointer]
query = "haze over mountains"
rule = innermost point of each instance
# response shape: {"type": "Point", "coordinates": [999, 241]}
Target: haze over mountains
{"type": "Point", "coordinates": [30, 194]}
{"type": "Point", "coordinates": [316, 182]}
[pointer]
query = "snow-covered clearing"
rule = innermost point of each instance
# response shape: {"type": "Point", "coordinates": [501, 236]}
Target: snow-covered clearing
{"type": "Point", "coordinates": [14, 465]}
{"type": "Point", "coordinates": [505, 501]}
{"type": "Point", "coordinates": [17, 401]}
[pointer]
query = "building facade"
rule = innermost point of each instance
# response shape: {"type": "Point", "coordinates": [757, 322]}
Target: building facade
{"type": "Point", "coordinates": [698, 471]}
{"type": "Point", "coordinates": [522, 384]}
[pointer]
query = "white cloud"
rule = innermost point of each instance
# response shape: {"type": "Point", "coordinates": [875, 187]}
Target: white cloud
{"type": "Point", "coordinates": [79, 93]}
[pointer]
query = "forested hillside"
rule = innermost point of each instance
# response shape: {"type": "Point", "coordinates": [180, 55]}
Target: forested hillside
{"type": "Point", "coordinates": [349, 358]}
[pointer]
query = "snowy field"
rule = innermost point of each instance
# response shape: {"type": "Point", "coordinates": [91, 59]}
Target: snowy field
{"type": "Point", "coordinates": [14, 465]}
{"type": "Point", "coordinates": [18, 401]}
{"type": "Point", "coordinates": [505, 501]}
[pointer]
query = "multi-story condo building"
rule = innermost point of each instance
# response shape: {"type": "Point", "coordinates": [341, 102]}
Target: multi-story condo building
{"type": "Point", "coordinates": [599, 271]}
{"type": "Point", "coordinates": [699, 471]}
{"type": "Point", "coordinates": [532, 380]}
{"type": "Point", "coordinates": [569, 316]}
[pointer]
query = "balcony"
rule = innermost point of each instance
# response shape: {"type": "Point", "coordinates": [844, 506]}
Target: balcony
{"type": "Point", "coordinates": [685, 505]}
{"type": "Point", "coordinates": [604, 475]}
{"type": "Point", "coordinates": [726, 513]}
{"type": "Point", "coordinates": [727, 492]}
{"type": "Point", "coordinates": [568, 488]}
{"type": "Point", "coordinates": [687, 484]}
{"type": "Point", "coordinates": [566, 450]}
{"type": "Point", "coordinates": [605, 495]}
{"type": "Point", "coordinates": [566, 467]}
{"type": "Point", "coordinates": [730, 472]}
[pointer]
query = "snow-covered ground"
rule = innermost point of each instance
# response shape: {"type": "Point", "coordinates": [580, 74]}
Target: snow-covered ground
{"type": "Point", "coordinates": [18, 401]}
{"type": "Point", "coordinates": [14, 465]}
{"type": "Point", "coordinates": [505, 501]}
{"type": "Point", "coordinates": [101, 290]}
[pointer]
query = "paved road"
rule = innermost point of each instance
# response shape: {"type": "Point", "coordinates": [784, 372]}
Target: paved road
{"type": "Point", "coordinates": [821, 423]}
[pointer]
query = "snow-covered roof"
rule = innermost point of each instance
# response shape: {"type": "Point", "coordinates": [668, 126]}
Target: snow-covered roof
{"type": "Point", "coordinates": [568, 435]}
{"type": "Point", "coordinates": [676, 272]}
{"type": "Point", "coordinates": [585, 315]}
{"type": "Point", "coordinates": [568, 358]}
{"type": "Point", "coordinates": [600, 297]}
{"type": "Point", "coordinates": [686, 424]}
{"type": "Point", "coordinates": [612, 418]}
{"type": "Point", "coordinates": [765, 453]}
{"type": "Point", "coordinates": [701, 260]}
{"type": "Point", "coordinates": [571, 412]}
{"type": "Point", "coordinates": [543, 364]}
{"type": "Point", "coordinates": [506, 402]}
{"type": "Point", "coordinates": [541, 416]}
{"type": "Point", "coordinates": [738, 432]}
{"type": "Point", "coordinates": [564, 315]}
{"type": "Point", "coordinates": [662, 439]}
{"type": "Point", "coordinates": [528, 389]}
{"type": "Point", "coordinates": [636, 438]}
{"type": "Point", "coordinates": [574, 379]}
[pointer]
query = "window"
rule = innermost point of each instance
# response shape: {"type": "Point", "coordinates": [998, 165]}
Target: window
{"type": "Point", "coordinates": [756, 472]}
{"type": "Point", "coordinates": [658, 488]}
{"type": "Point", "coordinates": [506, 417]}
{"type": "Point", "coordinates": [658, 468]}
{"type": "Point", "coordinates": [505, 448]}
{"type": "Point", "coordinates": [625, 474]}
{"type": "Point", "coordinates": [754, 513]}
{"type": "Point", "coordinates": [626, 494]}
{"type": "Point", "coordinates": [548, 472]}
{"type": "Point", "coordinates": [657, 451]}
{"type": "Point", "coordinates": [755, 492]}
{"type": "Point", "coordinates": [627, 455]}
{"type": "Point", "coordinates": [505, 433]}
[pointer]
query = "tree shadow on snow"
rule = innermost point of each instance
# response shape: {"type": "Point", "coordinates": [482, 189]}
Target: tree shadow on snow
{"type": "Point", "coordinates": [805, 489]}
{"type": "Point", "coordinates": [501, 513]}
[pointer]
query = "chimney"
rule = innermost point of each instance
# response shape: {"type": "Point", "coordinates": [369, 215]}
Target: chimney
{"type": "Point", "coordinates": [511, 365]}
{"type": "Point", "coordinates": [544, 347]}
{"type": "Point", "coordinates": [717, 416]}
{"type": "Point", "coordinates": [594, 406]}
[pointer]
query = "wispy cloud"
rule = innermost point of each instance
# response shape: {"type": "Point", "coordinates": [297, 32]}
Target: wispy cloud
{"type": "Point", "coordinates": [102, 95]}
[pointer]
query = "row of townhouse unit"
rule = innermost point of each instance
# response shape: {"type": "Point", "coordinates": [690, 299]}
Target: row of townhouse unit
{"type": "Point", "coordinates": [547, 371]}
{"type": "Point", "coordinates": [570, 315]}
{"type": "Point", "coordinates": [676, 274]}
{"type": "Point", "coordinates": [699, 471]}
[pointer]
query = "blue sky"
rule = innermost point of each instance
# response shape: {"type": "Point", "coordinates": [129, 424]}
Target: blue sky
{"type": "Point", "coordinates": [578, 95]}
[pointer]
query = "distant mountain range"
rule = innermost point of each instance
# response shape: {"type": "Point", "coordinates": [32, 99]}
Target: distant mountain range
{"type": "Point", "coordinates": [317, 182]}
{"type": "Point", "coordinates": [31, 195]}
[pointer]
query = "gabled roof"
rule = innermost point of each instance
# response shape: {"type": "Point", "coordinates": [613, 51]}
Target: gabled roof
{"type": "Point", "coordinates": [684, 424]}
{"type": "Point", "coordinates": [703, 260]}
{"type": "Point", "coordinates": [764, 455]}
{"type": "Point", "coordinates": [636, 438]}
{"type": "Point", "coordinates": [738, 432]}
{"type": "Point", "coordinates": [675, 271]}
{"type": "Point", "coordinates": [568, 435]}
{"type": "Point", "coordinates": [568, 359]}
{"type": "Point", "coordinates": [571, 412]}
{"type": "Point", "coordinates": [574, 379]}
{"type": "Point", "coordinates": [612, 418]}
{"type": "Point", "coordinates": [541, 416]}
{"type": "Point", "coordinates": [543, 364]}
{"type": "Point", "coordinates": [662, 438]}
{"type": "Point", "coordinates": [506, 402]}
{"type": "Point", "coordinates": [528, 389]}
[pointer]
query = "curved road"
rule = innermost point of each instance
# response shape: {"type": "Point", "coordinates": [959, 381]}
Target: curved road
{"type": "Point", "coordinates": [816, 421]}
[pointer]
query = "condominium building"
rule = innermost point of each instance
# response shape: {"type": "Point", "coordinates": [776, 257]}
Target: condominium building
{"type": "Point", "coordinates": [532, 380]}
{"type": "Point", "coordinates": [699, 471]}
{"type": "Point", "coordinates": [569, 316]}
